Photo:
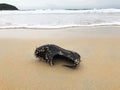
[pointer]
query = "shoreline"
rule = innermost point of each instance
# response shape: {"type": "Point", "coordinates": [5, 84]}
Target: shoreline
{"type": "Point", "coordinates": [69, 27]}
{"type": "Point", "coordinates": [75, 32]}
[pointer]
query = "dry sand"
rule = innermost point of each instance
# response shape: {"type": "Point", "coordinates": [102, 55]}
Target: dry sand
{"type": "Point", "coordinates": [99, 48]}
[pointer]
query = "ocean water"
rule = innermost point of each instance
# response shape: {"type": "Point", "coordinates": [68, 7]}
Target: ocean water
{"type": "Point", "coordinates": [59, 18]}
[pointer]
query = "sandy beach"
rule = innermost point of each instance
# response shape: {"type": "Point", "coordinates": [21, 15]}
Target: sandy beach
{"type": "Point", "coordinates": [98, 46]}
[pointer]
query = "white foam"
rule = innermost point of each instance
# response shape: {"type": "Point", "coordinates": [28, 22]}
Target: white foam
{"type": "Point", "coordinates": [58, 18]}
{"type": "Point", "coordinates": [112, 10]}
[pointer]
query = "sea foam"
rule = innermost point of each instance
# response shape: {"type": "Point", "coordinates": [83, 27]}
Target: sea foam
{"type": "Point", "coordinates": [58, 18]}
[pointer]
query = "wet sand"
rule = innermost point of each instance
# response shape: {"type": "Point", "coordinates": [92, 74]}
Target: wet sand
{"type": "Point", "coordinates": [99, 48]}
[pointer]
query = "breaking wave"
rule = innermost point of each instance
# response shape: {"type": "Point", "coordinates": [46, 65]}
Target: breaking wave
{"type": "Point", "coordinates": [58, 18]}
